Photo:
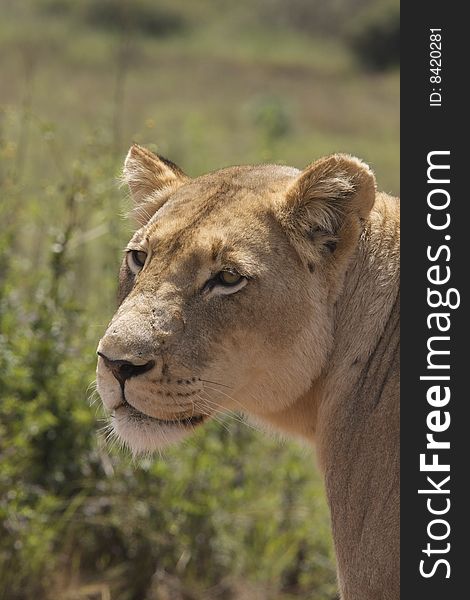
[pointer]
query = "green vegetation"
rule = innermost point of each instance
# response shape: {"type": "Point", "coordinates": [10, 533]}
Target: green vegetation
{"type": "Point", "coordinates": [374, 35]}
{"type": "Point", "coordinates": [233, 513]}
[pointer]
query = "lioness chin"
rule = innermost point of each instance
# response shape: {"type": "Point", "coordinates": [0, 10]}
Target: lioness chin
{"type": "Point", "coordinates": [273, 292]}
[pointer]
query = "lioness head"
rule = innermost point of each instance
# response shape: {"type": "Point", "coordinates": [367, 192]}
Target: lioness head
{"type": "Point", "coordinates": [227, 291]}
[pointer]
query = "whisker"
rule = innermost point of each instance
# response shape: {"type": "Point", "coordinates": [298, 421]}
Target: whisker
{"type": "Point", "coordinates": [229, 413]}
{"type": "Point", "coordinates": [216, 415]}
{"type": "Point", "coordinates": [216, 383]}
{"type": "Point", "coordinates": [227, 395]}
{"type": "Point", "coordinates": [104, 428]}
{"type": "Point", "coordinates": [226, 411]}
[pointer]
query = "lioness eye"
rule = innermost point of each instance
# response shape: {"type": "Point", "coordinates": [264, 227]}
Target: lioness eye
{"type": "Point", "coordinates": [229, 278]}
{"type": "Point", "coordinates": [225, 282]}
{"type": "Point", "coordinates": [136, 260]}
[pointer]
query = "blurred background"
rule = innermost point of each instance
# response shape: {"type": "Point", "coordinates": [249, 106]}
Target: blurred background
{"type": "Point", "coordinates": [233, 514]}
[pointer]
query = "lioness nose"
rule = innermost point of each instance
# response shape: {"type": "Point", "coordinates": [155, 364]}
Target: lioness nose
{"type": "Point", "coordinates": [124, 369]}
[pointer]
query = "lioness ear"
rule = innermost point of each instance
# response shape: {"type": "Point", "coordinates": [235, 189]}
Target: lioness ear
{"type": "Point", "coordinates": [323, 208]}
{"type": "Point", "coordinates": [150, 179]}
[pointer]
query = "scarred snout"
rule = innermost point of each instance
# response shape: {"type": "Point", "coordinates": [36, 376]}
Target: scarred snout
{"type": "Point", "coordinates": [125, 352]}
{"type": "Point", "coordinates": [152, 397]}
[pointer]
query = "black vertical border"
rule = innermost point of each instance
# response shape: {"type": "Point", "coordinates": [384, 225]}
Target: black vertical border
{"type": "Point", "coordinates": [424, 129]}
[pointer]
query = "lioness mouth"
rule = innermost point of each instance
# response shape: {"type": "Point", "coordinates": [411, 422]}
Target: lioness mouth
{"type": "Point", "coordinates": [191, 421]}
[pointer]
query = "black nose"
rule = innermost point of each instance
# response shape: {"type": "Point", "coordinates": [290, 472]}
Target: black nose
{"type": "Point", "coordinates": [124, 369]}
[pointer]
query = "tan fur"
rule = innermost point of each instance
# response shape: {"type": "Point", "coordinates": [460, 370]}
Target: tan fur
{"type": "Point", "coordinates": [308, 345]}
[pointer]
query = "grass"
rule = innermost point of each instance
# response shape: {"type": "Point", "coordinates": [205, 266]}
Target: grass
{"type": "Point", "coordinates": [194, 90]}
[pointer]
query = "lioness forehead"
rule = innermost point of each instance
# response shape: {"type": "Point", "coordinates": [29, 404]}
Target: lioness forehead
{"type": "Point", "coordinates": [217, 203]}
{"type": "Point", "coordinates": [255, 177]}
{"type": "Point", "coordinates": [224, 188]}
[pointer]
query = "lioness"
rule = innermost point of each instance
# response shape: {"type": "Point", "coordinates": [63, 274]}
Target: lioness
{"type": "Point", "coordinates": [274, 292]}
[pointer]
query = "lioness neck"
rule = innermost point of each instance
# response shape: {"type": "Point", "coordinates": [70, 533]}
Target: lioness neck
{"type": "Point", "coordinates": [351, 414]}
{"type": "Point", "coordinates": [366, 322]}
{"type": "Point", "coordinates": [357, 422]}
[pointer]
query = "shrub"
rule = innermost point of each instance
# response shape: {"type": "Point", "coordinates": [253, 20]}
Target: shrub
{"type": "Point", "coordinates": [374, 35]}
{"type": "Point", "coordinates": [140, 16]}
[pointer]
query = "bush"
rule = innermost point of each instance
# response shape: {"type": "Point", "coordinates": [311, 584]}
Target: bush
{"type": "Point", "coordinates": [139, 16]}
{"type": "Point", "coordinates": [374, 35]}
{"type": "Point", "coordinates": [272, 120]}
